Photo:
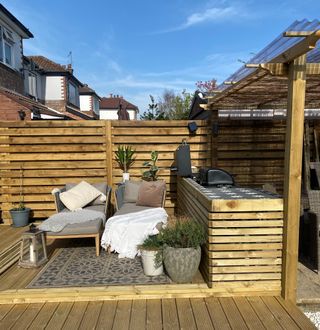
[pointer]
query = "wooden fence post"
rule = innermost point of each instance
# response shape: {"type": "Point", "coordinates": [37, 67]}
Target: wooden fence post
{"type": "Point", "coordinates": [292, 180]}
{"type": "Point", "coordinates": [109, 152]}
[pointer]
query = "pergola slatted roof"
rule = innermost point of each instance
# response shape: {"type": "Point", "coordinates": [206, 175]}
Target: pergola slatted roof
{"type": "Point", "coordinates": [263, 83]}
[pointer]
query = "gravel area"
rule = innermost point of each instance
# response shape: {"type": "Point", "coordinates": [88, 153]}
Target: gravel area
{"type": "Point", "coordinates": [314, 317]}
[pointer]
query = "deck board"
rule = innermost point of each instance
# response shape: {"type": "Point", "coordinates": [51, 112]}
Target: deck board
{"type": "Point", "coordinates": [138, 314]}
{"type": "Point", "coordinates": [106, 317]}
{"type": "Point", "coordinates": [201, 314]}
{"type": "Point", "coordinates": [185, 314]}
{"type": "Point", "coordinates": [59, 315]}
{"type": "Point", "coordinates": [27, 317]}
{"type": "Point", "coordinates": [209, 313]}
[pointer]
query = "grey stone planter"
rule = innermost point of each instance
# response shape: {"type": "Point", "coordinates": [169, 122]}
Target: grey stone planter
{"type": "Point", "coordinates": [20, 218]}
{"type": "Point", "coordinates": [181, 264]}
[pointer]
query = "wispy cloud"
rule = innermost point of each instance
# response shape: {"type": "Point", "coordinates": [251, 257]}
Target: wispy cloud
{"type": "Point", "coordinates": [211, 14]}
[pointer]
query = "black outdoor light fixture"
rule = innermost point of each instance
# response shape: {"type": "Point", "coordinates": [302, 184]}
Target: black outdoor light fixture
{"type": "Point", "coordinates": [192, 127]}
{"type": "Point", "coordinates": [22, 114]}
{"type": "Point", "coordinates": [215, 129]}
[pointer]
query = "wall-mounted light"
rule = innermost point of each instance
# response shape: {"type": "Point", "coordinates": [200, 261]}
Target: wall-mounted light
{"type": "Point", "coordinates": [192, 127]}
{"type": "Point", "coordinates": [22, 114]}
{"type": "Point", "coordinates": [215, 129]}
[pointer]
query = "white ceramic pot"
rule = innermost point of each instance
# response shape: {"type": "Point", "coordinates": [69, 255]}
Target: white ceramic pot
{"type": "Point", "coordinates": [125, 176]}
{"type": "Point", "coordinates": [148, 263]}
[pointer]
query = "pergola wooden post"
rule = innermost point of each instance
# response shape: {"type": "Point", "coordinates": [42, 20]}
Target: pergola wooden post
{"type": "Point", "coordinates": [293, 169]}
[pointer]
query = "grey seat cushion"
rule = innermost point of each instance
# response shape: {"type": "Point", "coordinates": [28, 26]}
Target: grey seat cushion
{"type": "Point", "coordinates": [100, 208]}
{"type": "Point", "coordinates": [130, 208]}
{"type": "Point", "coordinates": [89, 227]}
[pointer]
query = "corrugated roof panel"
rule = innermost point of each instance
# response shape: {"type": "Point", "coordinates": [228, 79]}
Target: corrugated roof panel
{"type": "Point", "coordinates": [277, 47]}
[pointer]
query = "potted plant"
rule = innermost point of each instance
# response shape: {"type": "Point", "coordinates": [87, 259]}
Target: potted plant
{"type": "Point", "coordinates": [125, 159]}
{"type": "Point", "coordinates": [182, 249]}
{"type": "Point", "coordinates": [151, 255]}
{"type": "Point", "coordinates": [20, 214]}
{"type": "Point", "coordinates": [151, 173]}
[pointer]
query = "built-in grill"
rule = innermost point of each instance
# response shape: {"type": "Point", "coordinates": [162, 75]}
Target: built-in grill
{"type": "Point", "coordinates": [215, 177]}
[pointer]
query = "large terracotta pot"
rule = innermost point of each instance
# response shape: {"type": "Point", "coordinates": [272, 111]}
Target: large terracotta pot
{"type": "Point", "coordinates": [181, 264]}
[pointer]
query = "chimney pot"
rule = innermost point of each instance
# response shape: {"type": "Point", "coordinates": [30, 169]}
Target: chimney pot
{"type": "Point", "coordinates": [110, 95]}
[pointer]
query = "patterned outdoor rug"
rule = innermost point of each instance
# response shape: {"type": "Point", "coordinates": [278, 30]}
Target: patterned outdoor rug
{"type": "Point", "coordinates": [80, 267]}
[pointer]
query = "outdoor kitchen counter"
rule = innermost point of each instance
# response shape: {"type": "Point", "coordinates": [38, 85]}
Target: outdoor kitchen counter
{"type": "Point", "coordinates": [244, 226]}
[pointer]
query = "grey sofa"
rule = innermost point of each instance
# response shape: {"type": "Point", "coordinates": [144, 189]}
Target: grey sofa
{"type": "Point", "coordinates": [87, 229]}
{"type": "Point", "coordinates": [123, 207]}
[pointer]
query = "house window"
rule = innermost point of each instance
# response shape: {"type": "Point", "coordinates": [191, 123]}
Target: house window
{"type": "Point", "coordinates": [32, 82]}
{"type": "Point", "coordinates": [8, 53]}
{"type": "Point", "coordinates": [72, 96]}
{"type": "Point", "coordinates": [6, 46]}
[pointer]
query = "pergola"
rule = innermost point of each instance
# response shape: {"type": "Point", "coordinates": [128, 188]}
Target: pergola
{"type": "Point", "coordinates": [285, 74]}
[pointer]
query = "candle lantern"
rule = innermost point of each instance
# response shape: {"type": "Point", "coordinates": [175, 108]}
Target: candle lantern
{"type": "Point", "coordinates": [33, 252]}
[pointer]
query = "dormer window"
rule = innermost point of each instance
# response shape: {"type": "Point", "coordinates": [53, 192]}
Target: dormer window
{"type": "Point", "coordinates": [6, 46]}
{"type": "Point", "coordinates": [73, 94]}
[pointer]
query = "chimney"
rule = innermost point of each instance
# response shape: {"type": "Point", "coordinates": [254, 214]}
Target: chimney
{"type": "Point", "coordinates": [69, 68]}
{"type": "Point", "coordinates": [110, 95]}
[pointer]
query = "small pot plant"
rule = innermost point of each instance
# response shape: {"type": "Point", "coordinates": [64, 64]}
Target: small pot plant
{"type": "Point", "coordinates": [182, 242]}
{"type": "Point", "coordinates": [125, 158]}
{"type": "Point", "coordinates": [151, 255]}
{"type": "Point", "coordinates": [20, 214]}
{"type": "Point", "coordinates": [152, 173]}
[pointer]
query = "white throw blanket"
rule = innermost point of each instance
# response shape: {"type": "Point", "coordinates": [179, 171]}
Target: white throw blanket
{"type": "Point", "coordinates": [123, 233]}
{"type": "Point", "coordinates": [58, 221]}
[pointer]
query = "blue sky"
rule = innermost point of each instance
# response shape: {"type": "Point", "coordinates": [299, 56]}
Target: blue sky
{"type": "Point", "coordinates": [141, 47]}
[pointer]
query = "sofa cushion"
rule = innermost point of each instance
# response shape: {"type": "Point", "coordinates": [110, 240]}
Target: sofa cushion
{"type": "Point", "coordinates": [130, 208]}
{"type": "Point", "coordinates": [151, 193]}
{"type": "Point", "coordinates": [131, 191]}
{"type": "Point", "coordinates": [83, 228]}
{"type": "Point", "coordinates": [79, 196]}
{"type": "Point", "coordinates": [101, 186]}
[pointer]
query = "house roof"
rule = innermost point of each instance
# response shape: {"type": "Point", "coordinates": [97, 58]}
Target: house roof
{"type": "Point", "coordinates": [32, 104]}
{"type": "Point", "coordinates": [86, 90]}
{"type": "Point", "coordinates": [47, 65]}
{"type": "Point", "coordinates": [114, 102]}
{"type": "Point", "coordinates": [14, 20]}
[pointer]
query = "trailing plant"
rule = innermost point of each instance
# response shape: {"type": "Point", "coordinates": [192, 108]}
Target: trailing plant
{"type": "Point", "coordinates": [21, 206]}
{"type": "Point", "coordinates": [184, 233]}
{"type": "Point", "coordinates": [124, 157]}
{"type": "Point", "coordinates": [151, 173]}
{"type": "Point", "coordinates": [154, 243]}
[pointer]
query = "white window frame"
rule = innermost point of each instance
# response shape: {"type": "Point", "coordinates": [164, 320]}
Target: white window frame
{"type": "Point", "coordinates": [6, 39]}
{"type": "Point", "coordinates": [32, 84]}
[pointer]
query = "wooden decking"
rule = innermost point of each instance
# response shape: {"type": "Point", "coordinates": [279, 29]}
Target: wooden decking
{"type": "Point", "coordinates": [174, 306]}
{"type": "Point", "coordinates": [210, 313]}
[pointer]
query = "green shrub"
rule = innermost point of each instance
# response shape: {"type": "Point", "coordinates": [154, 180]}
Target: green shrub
{"type": "Point", "coordinates": [184, 233]}
{"type": "Point", "coordinates": [152, 243]}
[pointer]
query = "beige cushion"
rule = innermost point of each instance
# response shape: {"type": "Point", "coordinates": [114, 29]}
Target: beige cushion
{"type": "Point", "coordinates": [151, 193]}
{"type": "Point", "coordinates": [131, 191]}
{"type": "Point", "coordinates": [79, 196]}
{"type": "Point", "coordinates": [101, 186]}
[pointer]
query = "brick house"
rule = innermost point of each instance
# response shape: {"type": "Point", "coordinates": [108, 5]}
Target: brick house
{"type": "Point", "coordinates": [15, 106]}
{"type": "Point", "coordinates": [109, 107]}
{"type": "Point", "coordinates": [60, 88]}
{"type": "Point", "coordinates": [12, 33]}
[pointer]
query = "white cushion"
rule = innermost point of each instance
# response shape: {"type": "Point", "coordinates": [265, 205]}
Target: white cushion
{"type": "Point", "coordinates": [79, 196]}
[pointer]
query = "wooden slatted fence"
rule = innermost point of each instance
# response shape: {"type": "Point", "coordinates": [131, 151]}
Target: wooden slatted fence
{"type": "Point", "coordinates": [253, 151]}
{"type": "Point", "coordinates": [52, 153]}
